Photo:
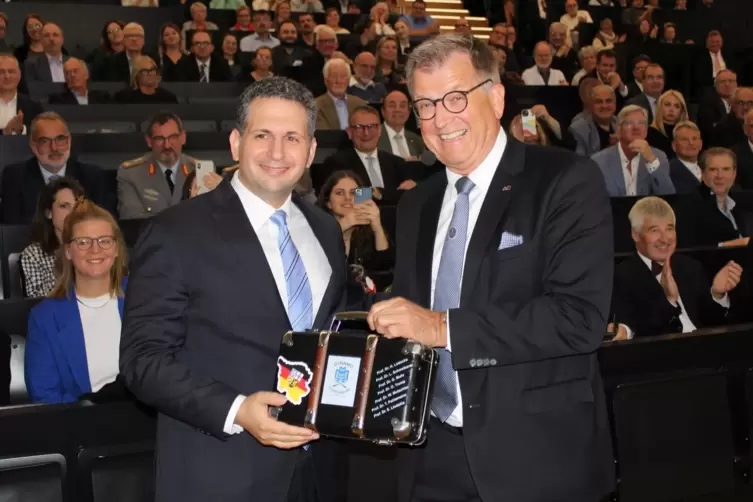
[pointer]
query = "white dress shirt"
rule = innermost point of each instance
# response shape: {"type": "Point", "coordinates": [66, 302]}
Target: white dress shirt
{"type": "Point", "coordinates": [726, 208]}
{"type": "Point", "coordinates": [631, 175]}
{"type": "Point", "coordinates": [482, 179]}
{"type": "Point", "coordinates": [354, 82]}
{"type": "Point", "coordinates": [374, 170]}
{"type": "Point", "coordinates": [173, 170]}
{"type": "Point", "coordinates": [687, 324]}
{"type": "Point", "coordinates": [532, 76]}
{"type": "Point", "coordinates": [693, 167]}
{"type": "Point", "coordinates": [82, 99]}
{"type": "Point", "coordinates": [310, 250]}
{"type": "Point", "coordinates": [47, 175]}
{"type": "Point", "coordinates": [100, 320]}
{"type": "Point", "coordinates": [56, 68]}
{"type": "Point", "coordinates": [251, 43]}
{"type": "Point", "coordinates": [8, 111]}
{"type": "Point", "coordinates": [722, 64]}
{"type": "Point", "coordinates": [399, 145]}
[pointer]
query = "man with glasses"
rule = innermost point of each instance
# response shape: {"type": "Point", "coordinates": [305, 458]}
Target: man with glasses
{"type": "Point", "coordinates": [205, 66]}
{"type": "Point", "coordinates": [16, 110]}
{"type": "Point", "coordinates": [362, 82]}
{"type": "Point", "coordinates": [504, 264]}
{"type": "Point", "coordinates": [716, 103]}
{"type": "Point", "coordinates": [384, 172]}
{"type": "Point", "coordinates": [261, 36]}
{"type": "Point", "coordinates": [335, 106]}
{"type": "Point", "coordinates": [395, 138]}
{"type": "Point", "coordinates": [729, 130]}
{"type": "Point", "coordinates": [118, 67]}
{"type": "Point", "coordinates": [77, 87]}
{"type": "Point", "coordinates": [653, 87]}
{"type": "Point", "coordinates": [50, 142]}
{"type": "Point", "coordinates": [154, 182]}
{"type": "Point", "coordinates": [632, 167]}
{"type": "Point", "coordinates": [48, 66]}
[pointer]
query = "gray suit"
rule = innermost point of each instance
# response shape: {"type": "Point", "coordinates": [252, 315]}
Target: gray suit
{"type": "Point", "coordinates": [37, 68]}
{"type": "Point", "coordinates": [656, 183]}
{"type": "Point", "coordinates": [143, 190]}
{"type": "Point", "coordinates": [415, 144]}
{"type": "Point", "coordinates": [586, 136]}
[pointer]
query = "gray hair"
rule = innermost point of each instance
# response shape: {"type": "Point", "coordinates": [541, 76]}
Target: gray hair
{"type": "Point", "coordinates": [602, 87]}
{"type": "Point", "coordinates": [335, 61]}
{"type": "Point", "coordinates": [650, 206]}
{"type": "Point", "coordinates": [434, 52]}
{"type": "Point", "coordinates": [323, 28]}
{"type": "Point", "coordinates": [622, 116]}
{"type": "Point", "coordinates": [585, 51]}
{"type": "Point", "coordinates": [48, 116]}
{"type": "Point", "coordinates": [277, 87]}
{"type": "Point", "coordinates": [685, 125]}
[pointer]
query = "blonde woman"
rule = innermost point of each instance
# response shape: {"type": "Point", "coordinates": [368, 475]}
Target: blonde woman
{"type": "Point", "coordinates": [388, 70]}
{"type": "Point", "coordinates": [380, 12]}
{"type": "Point", "coordinates": [670, 111]}
{"type": "Point", "coordinates": [73, 340]}
{"type": "Point", "coordinates": [145, 81]}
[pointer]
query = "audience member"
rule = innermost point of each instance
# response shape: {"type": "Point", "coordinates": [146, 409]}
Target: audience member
{"type": "Point", "coordinates": [744, 152]}
{"type": "Point", "coordinates": [309, 6]}
{"type": "Point", "coordinates": [681, 5]}
{"type": "Point", "coordinates": [288, 57]}
{"type": "Point", "coordinates": [313, 65]}
{"type": "Point", "coordinates": [543, 136]}
{"type": "Point", "coordinates": [419, 22]}
{"type": "Point", "coordinates": [243, 19]}
{"type": "Point", "coordinates": [498, 35]}
{"type": "Point", "coordinates": [47, 67]}
{"type": "Point", "coordinates": [198, 22]}
{"type": "Point", "coordinates": [56, 201]}
{"type": "Point", "coordinates": [710, 217]}
{"type": "Point", "coordinates": [145, 85]}
{"type": "Point", "coordinates": [565, 58]}
{"type": "Point", "coordinates": [371, 258]}
{"type": "Point", "coordinates": [639, 68]}
{"type": "Point", "coordinates": [572, 18]}
{"type": "Point", "coordinates": [584, 93]}
{"type": "Point", "coordinates": [111, 41]}
{"type": "Point", "coordinates": [332, 20]}
{"type": "Point", "coordinates": [670, 109]}
{"type": "Point", "coordinates": [365, 31]}
{"type": "Point", "coordinates": [16, 110]}
{"type": "Point", "coordinates": [402, 34]}
{"type": "Point", "coordinates": [587, 59]}
{"type": "Point", "coordinates": [463, 28]}
{"type": "Point", "coordinates": [50, 142]}
{"type": "Point", "coordinates": [3, 31]}
{"type": "Point", "coordinates": [379, 15]}
{"type": "Point", "coordinates": [73, 340]}
{"type": "Point", "coordinates": [381, 170]}
{"type": "Point", "coordinates": [335, 106]}
{"type": "Point", "coordinates": [708, 63]}
{"type": "Point", "coordinates": [632, 167]}
{"type": "Point", "coordinates": [227, 4]}
{"type": "Point", "coordinates": [606, 38]}
{"type": "Point", "coordinates": [506, 77]}
{"type": "Point", "coordinates": [119, 66]}
{"type": "Point", "coordinates": [77, 87]}
{"type": "Point", "coordinates": [395, 138]}
{"type": "Point", "coordinates": [362, 82]}
{"type": "Point", "coordinates": [598, 131]}
{"type": "Point", "coordinates": [306, 26]}
{"type": "Point", "coordinates": [729, 130]}
{"type": "Point", "coordinates": [684, 169]}
{"type": "Point", "coordinates": [261, 36]}
{"type": "Point", "coordinates": [388, 70]}
{"type": "Point", "coordinates": [542, 72]}
{"type": "Point", "coordinates": [154, 182]}
{"type": "Point", "coordinates": [283, 12]}
{"type": "Point", "coordinates": [669, 33]}
{"type": "Point", "coordinates": [634, 14]}
{"type": "Point", "coordinates": [658, 291]}
{"type": "Point", "coordinates": [716, 104]}
{"type": "Point", "coordinates": [32, 37]}
{"type": "Point", "coordinates": [653, 87]}
{"type": "Point", "coordinates": [205, 66]}
{"type": "Point", "coordinates": [170, 52]}
{"type": "Point", "coordinates": [229, 52]}
{"type": "Point", "coordinates": [261, 66]}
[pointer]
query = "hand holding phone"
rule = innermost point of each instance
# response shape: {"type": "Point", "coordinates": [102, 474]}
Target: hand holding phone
{"type": "Point", "coordinates": [528, 123]}
{"type": "Point", "coordinates": [362, 195]}
{"type": "Point", "coordinates": [203, 167]}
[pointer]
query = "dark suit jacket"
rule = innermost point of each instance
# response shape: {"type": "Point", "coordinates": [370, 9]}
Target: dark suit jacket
{"type": "Point", "coordinates": [700, 223]}
{"type": "Point", "coordinates": [392, 167]}
{"type": "Point", "coordinates": [703, 67]}
{"type": "Point", "coordinates": [282, 62]}
{"type": "Point", "coordinates": [642, 101]}
{"type": "Point", "coordinates": [633, 89]}
{"type": "Point", "coordinates": [37, 68]}
{"type": "Point", "coordinates": [195, 336]}
{"type": "Point", "coordinates": [30, 108]}
{"type": "Point", "coordinates": [117, 69]}
{"type": "Point", "coordinates": [219, 70]}
{"type": "Point", "coordinates": [22, 183]}
{"type": "Point", "coordinates": [728, 132]}
{"type": "Point", "coordinates": [67, 98]}
{"type": "Point", "coordinates": [744, 164]}
{"type": "Point", "coordinates": [568, 65]}
{"type": "Point", "coordinates": [530, 321]}
{"type": "Point", "coordinates": [711, 110]}
{"type": "Point", "coordinates": [640, 303]}
{"type": "Point", "coordinates": [682, 178]}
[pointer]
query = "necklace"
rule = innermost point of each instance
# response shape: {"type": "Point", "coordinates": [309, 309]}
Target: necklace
{"type": "Point", "coordinates": [94, 305]}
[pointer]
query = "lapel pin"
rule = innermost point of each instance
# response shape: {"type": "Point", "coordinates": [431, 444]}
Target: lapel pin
{"type": "Point", "coordinates": [507, 188]}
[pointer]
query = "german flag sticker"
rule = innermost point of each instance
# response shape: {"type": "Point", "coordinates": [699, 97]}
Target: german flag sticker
{"type": "Point", "coordinates": [293, 379]}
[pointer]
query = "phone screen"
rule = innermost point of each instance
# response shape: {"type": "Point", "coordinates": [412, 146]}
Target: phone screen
{"type": "Point", "coordinates": [362, 195]}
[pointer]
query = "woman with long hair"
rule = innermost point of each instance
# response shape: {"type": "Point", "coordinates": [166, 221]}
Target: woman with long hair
{"type": "Point", "coordinates": [380, 14]}
{"type": "Point", "coordinates": [145, 85]}
{"type": "Point", "coordinates": [56, 201]}
{"type": "Point", "coordinates": [32, 37]}
{"type": "Point", "coordinates": [111, 41]}
{"type": "Point", "coordinates": [170, 51]}
{"type": "Point", "coordinates": [72, 343]}
{"type": "Point", "coordinates": [670, 111]}
{"type": "Point", "coordinates": [388, 70]}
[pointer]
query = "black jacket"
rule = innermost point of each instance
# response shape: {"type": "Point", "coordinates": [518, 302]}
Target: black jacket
{"type": "Point", "coordinates": [188, 70]}
{"type": "Point", "coordinates": [67, 98]}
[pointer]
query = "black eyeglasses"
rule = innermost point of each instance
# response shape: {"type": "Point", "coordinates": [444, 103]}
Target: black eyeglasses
{"type": "Point", "coordinates": [60, 141]}
{"type": "Point", "coordinates": [202, 44]}
{"type": "Point", "coordinates": [364, 127]}
{"type": "Point", "coordinates": [84, 243]}
{"type": "Point", "coordinates": [148, 71]}
{"type": "Point", "coordinates": [453, 102]}
{"type": "Point", "coordinates": [161, 139]}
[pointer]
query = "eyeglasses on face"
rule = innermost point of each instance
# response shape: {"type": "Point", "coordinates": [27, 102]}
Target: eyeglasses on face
{"type": "Point", "coordinates": [148, 71]}
{"type": "Point", "coordinates": [60, 141]}
{"type": "Point", "coordinates": [161, 139]}
{"type": "Point", "coordinates": [635, 123]}
{"type": "Point", "coordinates": [134, 36]}
{"type": "Point", "coordinates": [202, 44]}
{"type": "Point", "coordinates": [112, 31]}
{"type": "Point", "coordinates": [453, 102]}
{"type": "Point", "coordinates": [364, 127]}
{"type": "Point", "coordinates": [83, 243]}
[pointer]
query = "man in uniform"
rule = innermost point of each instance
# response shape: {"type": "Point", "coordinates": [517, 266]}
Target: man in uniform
{"type": "Point", "coordinates": [154, 182]}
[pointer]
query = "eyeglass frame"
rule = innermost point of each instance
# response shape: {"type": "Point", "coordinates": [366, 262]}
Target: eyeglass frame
{"type": "Point", "coordinates": [60, 141]}
{"type": "Point", "coordinates": [163, 139]}
{"type": "Point", "coordinates": [364, 127]}
{"type": "Point", "coordinates": [435, 102]}
{"type": "Point", "coordinates": [81, 246]}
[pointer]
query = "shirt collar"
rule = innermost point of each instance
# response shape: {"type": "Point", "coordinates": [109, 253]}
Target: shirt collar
{"type": "Point", "coordinates": [174, 167]}
{"type": "Point", "coordinates": [257, 210]}
{"type": "Point", "coordinates": [391, 132]}
{"type": "Point", "coordinates": [58, 60]}
{"type": "Point", "coordinates": [363, 155]}
{"type": "Point", "coordinates": [650, 99]}
{"type": "Point", "coordinates": [46, 175]}
{"type": "Point", "coordinates": [355, 83]}
{"type": "Point", "coordinates": [729, 203]}
{"type": "Point", "coordinates": [482, 176]}
{"type": "Point", "coordinates": [337, 100]}
{"type": "Point", "coordinates": [689, 164]}
{"type": "Point", "coordinates": [199, 62]}
{"type": "Point", "coordinates": [12, 103]}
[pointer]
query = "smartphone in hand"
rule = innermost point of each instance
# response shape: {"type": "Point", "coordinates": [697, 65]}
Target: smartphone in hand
{"type": "Point", "coordinates": [203, 167]}
{"type": "Point", "coordinates": [362, 195]}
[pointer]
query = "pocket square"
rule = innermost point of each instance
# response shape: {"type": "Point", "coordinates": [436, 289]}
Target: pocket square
{"type": "Point", "coordinates": [509, 240]}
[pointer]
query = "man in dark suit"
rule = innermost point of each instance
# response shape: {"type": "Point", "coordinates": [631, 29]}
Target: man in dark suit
{"type": "Point", "coordinates": [729, 130]}
{"type": "Point", "coordinates": [201, 334]}
{"type": "Point", "coordinates": [117, 68]}
{"type": "Point", "coordinates": [48, 66]}
{"type": "Point", "coordinates": [657, 291]}
{"type": "Point", "coordinates": [288, 57]}
{"type": "Point", "coordinates": [50, 141]}
{"type": "Point", "coordinates": [77, 83]}
{"type": "Point", "coordinates": [684, 169]}
{"type": "Point", "coordinates": [518, 284]}
{"type": "Point", "coordinates": [635, 86]}
{"type": "Point", "coordinates": [709, 61]}
{"type": "Point", "coordinates": [565, 58]}
{"type": "Point", "coordinates": [204, 66]}
{"type": "Point", "coordinates": [716, 103]}
{"type": "Point", "coordinates": [744, 152]}
{"type": "Point", "coordinates": [395, 138]}
{"type": "Point", "coordinates": [378, 169]}
{"type": "Point", "coordinates": [653, 87]}
{"type": "Point", "coordinates": [16, 110]}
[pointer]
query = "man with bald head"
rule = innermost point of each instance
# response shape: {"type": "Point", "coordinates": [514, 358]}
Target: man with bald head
{"type": "Point", "coordinates": [542, 72]}
{"type": "Point", "coordinates": [597, 133]}
{"type": "Point", "coordinates": [48, 66]}
{"type": "Point", "coordinates": [395, 138]}
{"type": "Point", "coordinates": [362, 82]}
{"type": "Point", "coordinates": [119, 66]}
{"type": "Point", "coordinates": [77, 84]}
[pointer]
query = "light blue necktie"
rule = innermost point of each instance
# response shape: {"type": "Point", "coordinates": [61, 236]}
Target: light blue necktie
{"type": "Point", "coordinates": [300, 311]}
{"type": "Point", "coordinates": [447, 296]}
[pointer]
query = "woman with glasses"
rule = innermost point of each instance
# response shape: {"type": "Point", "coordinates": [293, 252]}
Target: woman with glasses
{"type": "Point", "coordinates": [170, 51]}
{"type": "Point", "coordinates": [145, 85]}
{"type": "Point", "coordinates": [73, 340]}
{"type": "Point", "coordinates": [370, 255]}
{"type": "Point", "coordinates": [670, 110]}
{"type": "Point", "coordinates": [111, 41]}
{"type": "Point", "coordinates": [388, 71]}
{"type": "Point", "coordinates": [32, 37]}
{"type": "Point", "coordinates": [262, 65]}
{"type": "Point", "coordinates": [56, 201]}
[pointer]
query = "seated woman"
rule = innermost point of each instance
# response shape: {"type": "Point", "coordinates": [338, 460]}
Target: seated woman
{"type": "Point", "coordinates": [262, 65]}
{"type": "Point", "coordinates": [145, 85]}
{"type": "Point", "coordinates": [670, 110]}
{"type": "Point", "coordinates": [388, 71]}
{"type": "Point", "coordinates": [56, 201]}
{"type": "Point", "coordinates": [230, 53]}
{"type": "Point", "coordinates": [170, 52]}
{"type": "Point", "coordinates": [74, 335]}
{"type": "Point", "coordinates": [333, 21]}
{"type": "Point", "coordinates": [371, 258]}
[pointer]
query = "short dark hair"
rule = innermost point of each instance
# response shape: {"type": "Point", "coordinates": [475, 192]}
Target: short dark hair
{"type": "Point", "coordinates": [43, 232]}
{"type": "Point", "coordinates": [605, 53]}
{"type": "Point", "coordinates": [642, 58]}
{"type": "Point", "coordinates": [363, 109]}
{"type": "Point", "coordinates": [282, 88]}
{"type": "Point", "coordinates": [420, 1]}
{"type": "Point", "coordinates": [162, 117]}
{"type": "Point", "coordinates": [716, 151]}
{"type": "Point", "coordinates": [199, 32]}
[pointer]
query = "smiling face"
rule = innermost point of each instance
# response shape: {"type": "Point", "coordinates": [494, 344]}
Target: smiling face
{"type": "Point", "coordinates": [170, 37]}
{"type": "Point", "coordinates": [543, 55]}
{"type": "Point", "coordinates": [96, 261]}
{"type": "Point", "coordinates": [460, 140]}
{"type": "Point", "coordinates": [656, 239]}
{"type": "Point", "coordinates": [274, 150]}
{"type": "Point", "coordinates": [114, 33]}
{"type": "Point", "coordinates": [364, 131]}
{"type": "Point", "coordinates": [34, 29]}
{"type": "Point", "coordinates": [229, 45]}
{"type": "Point", "coordinates": [719, 174]}
{"type": "Point", "coordinates": [341, 197]}
{"type": "Point", "coordinates": [50, 142]}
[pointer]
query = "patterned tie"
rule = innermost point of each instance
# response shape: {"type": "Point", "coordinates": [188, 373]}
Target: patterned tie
{"type": "Point", "coordinates": [447, 296]}
{"type": "Point", "coordinates": [204, 79]}
{"type": "Point", "coordinates": [300, 303]}
{"type": "Point", "coordinates": [169, 179]}
{"type": "Point", "coordinates": [399, 139]}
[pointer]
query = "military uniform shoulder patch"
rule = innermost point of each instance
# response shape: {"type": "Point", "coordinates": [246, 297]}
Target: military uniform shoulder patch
{"type": "Point", "coordinates": [133, 163]}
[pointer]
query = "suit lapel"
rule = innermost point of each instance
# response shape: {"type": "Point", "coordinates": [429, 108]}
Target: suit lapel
{"type": "Point", "coordinates": [384, 142]}
{"type": "Point", "coordinates": [71, 336]}
{"type": "Point", "coordinates": [33, 185]}
{"type": "Point", "coordinates": [330, 113]}
{"type": "Point", "coordinates": [492, 211]}
{"type": "Point", "coordinates": [618, 179]}
{"type": "Point", "coordinates": [427, 234]}
{"type": "Point", "coordinates": [643, 184]}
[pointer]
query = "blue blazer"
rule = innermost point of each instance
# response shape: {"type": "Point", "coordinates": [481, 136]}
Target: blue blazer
{"type": "Point", "coordinates": [56, 368]}
{"type": "Point", "coordinates": [656, 183]}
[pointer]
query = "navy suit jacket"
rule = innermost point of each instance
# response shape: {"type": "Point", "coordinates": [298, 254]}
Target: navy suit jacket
{"type": "Point", "coordinates": [682, 178]}
{"type": "Point", "coordinates": [56, 367]}
{"type": "Point", "coordinates": [37, 68]}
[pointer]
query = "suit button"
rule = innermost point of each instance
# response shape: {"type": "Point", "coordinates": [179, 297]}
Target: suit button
{"type": "Point", "coordinates": [479, 362]}
{"type": "Point", "coordinates": [472, 362]}
{"type": "Point", "coordinates": [486, 362]}
{"type": "Point", "coordinates": [493, 362]}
